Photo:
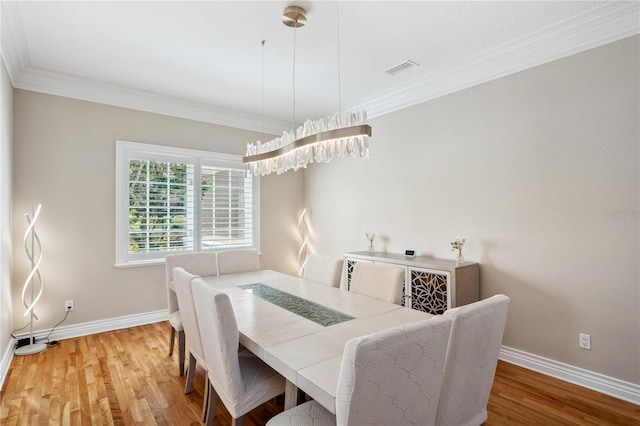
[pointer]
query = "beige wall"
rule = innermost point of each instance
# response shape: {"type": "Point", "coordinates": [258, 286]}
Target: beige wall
{"type": "Point", "coordinates": [6, 140]}
{"type": "Point", "coordinates": [64, 158]}
{"type": "Point", "coordinates": [528, 168]}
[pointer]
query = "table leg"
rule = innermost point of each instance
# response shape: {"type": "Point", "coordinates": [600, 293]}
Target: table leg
{"type": "Point", "coordinates": [290, 395]}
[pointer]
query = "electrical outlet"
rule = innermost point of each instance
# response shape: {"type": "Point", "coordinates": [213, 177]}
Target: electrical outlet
{"type": "Point", "coordinates": [68, 305]}
{"type": "Point", "coordinates": [584, 341]}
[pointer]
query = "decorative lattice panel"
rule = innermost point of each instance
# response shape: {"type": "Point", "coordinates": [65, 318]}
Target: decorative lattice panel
{"type": "Point", "coordinates": [350, 265]}
{"type": "Point", "coordinates": [429, 292]}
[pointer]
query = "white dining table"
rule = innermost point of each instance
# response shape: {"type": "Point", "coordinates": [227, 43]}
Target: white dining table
{"type": "Point", "coordinates": [305, 352]}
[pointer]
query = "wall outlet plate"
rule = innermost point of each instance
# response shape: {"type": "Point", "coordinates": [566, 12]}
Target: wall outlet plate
{"type": "Point", "coordinates": [584, 341]}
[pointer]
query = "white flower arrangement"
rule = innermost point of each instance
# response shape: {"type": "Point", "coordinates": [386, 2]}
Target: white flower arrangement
{"type": "Point", "coordinates": [370, 237]}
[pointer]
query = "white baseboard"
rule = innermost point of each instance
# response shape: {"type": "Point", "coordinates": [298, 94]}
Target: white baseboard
{"type": "Point", "coordinates": [620, 389]}
{"type": "Point", "coordinates": [5, 363]}
{"type": "Point", "coordinates": [100, 326]}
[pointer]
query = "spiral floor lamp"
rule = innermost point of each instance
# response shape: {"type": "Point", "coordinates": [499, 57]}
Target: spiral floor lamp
{"type": "Point", "coordinates": [303, 253]}
{"type": "Point", "coordinates": [33, 284]}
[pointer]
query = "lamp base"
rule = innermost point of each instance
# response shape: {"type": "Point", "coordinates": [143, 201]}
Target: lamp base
{"type": "Point", "coordinates": [31, 349]}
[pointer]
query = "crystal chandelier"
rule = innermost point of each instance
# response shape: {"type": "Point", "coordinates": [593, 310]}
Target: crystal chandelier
{"type": "Point", "coordinates": [339, 135]}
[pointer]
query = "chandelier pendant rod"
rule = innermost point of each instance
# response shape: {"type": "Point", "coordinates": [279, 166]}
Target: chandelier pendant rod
{"type": "Point", "coordinates": [293, 78]}
{"type": "Point", "coordinates": [339, 73]}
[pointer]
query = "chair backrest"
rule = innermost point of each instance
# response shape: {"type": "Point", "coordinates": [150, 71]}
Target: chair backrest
{"type": "Point", "coordinates": [323, 269]}
{"type": "Point", "coordinates": [182, 283]}
{"type": "Point", "coordinates": [204, 264]}
{"type": "Point", "coordinates": [393, 377]}
{"type": "Point", "coordinates": [377, 280]}
{"type": "Point", "coordinates": [236, 261]}
{"type": "Point", "coordinates": [472, 357]}
{"type": "Point", "coordinates": [220, 340]}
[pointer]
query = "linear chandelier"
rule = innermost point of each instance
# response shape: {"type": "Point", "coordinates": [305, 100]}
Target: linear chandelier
{"type": "Point", "coordinates": [339, 135]}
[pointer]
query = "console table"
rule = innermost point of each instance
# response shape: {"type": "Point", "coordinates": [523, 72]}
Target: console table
{"type": "Point", "coordinates": [430, 285]}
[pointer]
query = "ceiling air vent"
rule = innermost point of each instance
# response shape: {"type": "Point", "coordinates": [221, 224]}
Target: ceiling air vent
{"type": "Point", "coordinates": [402, 67]}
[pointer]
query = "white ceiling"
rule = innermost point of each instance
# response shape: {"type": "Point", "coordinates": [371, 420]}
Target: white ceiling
{"type": "Point", "coordinates": [203, 60]}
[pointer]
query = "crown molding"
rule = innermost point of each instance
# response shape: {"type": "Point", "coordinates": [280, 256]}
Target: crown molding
{"type": "Point", "coordinates": [612, 22]}
{"type": "Point", "coordinates": [77, 88]}
{"type": "Point", "coordinates": [607, 24]}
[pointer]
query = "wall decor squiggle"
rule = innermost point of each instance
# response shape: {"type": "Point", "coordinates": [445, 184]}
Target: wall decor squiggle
{"type": "Point", "coordinates": [34, 283]}
{"type": "Point", "coordinates": [303, 229]}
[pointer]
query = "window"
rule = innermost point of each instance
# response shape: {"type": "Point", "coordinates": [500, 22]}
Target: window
{"type": "Point", "coordinates": [171, 200]}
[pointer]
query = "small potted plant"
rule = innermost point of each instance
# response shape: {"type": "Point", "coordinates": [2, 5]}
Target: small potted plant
{"type": "Point", "coordinates": [458, 244]}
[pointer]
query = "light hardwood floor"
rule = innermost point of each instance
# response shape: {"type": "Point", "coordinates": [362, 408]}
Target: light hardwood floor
{"type": "Point", "coordinates": [125, 377]}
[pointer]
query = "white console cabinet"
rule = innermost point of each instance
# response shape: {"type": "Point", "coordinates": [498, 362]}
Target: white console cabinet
{"type": "Point", "coordinates": [430, 285]}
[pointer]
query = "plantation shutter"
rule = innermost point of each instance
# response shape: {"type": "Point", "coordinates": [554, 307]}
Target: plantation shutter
{"type": "Point", "coordinates": [226, 208]}
{"type": "Point", "coordinates": [176, 200]}
{"type": "Point", "coordinates": [161, 206]}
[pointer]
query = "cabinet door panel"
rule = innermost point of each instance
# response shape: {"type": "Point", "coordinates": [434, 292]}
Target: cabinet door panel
{"type": "Point", "coordinates": [430, 290]}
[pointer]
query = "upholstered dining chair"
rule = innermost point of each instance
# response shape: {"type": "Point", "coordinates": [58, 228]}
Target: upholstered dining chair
{"type": "Point", "coordinates": [182, 283]}
{"type": "Point", "coordinates": [392, 377]}
{"type": "Point", "coordinates": [323, 269]}
{"type": "Point", "coordinates": [203, 264]}
{"type": "Point", "coordinates": [472, 357]}
{"type": "Point", "coordinates": [378, 280]}
{"type": "Point", "coordinates": [236, 261]}
{"type": "Point", "coordinates": [240, 379]}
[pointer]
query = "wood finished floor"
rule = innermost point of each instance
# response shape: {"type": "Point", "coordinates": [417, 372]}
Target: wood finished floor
{"type": "Point", "coordinates": [125, 377]}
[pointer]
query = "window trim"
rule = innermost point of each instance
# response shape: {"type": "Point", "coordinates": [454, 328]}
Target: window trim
{"type": "Point", "coordinates": [124, 151]}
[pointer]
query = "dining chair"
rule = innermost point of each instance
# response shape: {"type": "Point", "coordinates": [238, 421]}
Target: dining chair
{"type": "Point", "coordinates": [323, 269]}
{"type": "Point", "coordinates": [182, 283]}
{"type": "Point", "coordinates": [472, 357]}
{"type": "Point", "coordinates": [391, 377]}
{"type": "Point", "coordinates": [378, 280]}
{"type": "Point", "coordinates": [240, 379]}
{"type": "Point", "coordinates": [236, 261]}
{"type": "Point", "coordinates": [203, 264]}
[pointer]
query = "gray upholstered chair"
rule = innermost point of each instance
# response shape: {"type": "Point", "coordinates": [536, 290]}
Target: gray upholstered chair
{"type": "Point", "coordinates": [240, 379]}
{"type": "Point", "coordinates": [203, 264]}
{"type": "Point", "coordinates": [384, 282]}
{"type": "Point", "coordinates": [236, 261]}
{"type": "Point", "coordinates": [392, 377]}
{"type": "Point", "coordinates": [472, 357]}
{"type": "Point", "coordinates": [323, 269]}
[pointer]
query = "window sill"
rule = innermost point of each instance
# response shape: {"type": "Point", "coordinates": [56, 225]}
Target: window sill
{"type": "Point", "coordinates": [139, 263]}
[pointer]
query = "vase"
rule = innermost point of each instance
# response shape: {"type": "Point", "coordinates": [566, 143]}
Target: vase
{"type": "Point", "coordinates": [371, 250]}
{"type": "Point", "coordinates": [460, 258]}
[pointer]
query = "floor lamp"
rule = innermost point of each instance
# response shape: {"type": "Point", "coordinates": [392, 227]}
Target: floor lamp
{"type": "Point", "coordinates": [303, 229]}
{"type": "Point", "coordinates": [34, 278]}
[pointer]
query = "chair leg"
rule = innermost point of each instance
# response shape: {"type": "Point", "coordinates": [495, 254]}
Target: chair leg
{"type": "Point", "coordinates": [181, 349]}
{"type": "Point", "coordinates": [302, 397]}
{"type": "Point", "coordinates": [172, 339]}
{"type": "Point", "coordinates": [205, 401]}
{"type": "Point", "coordinates": [213, 402]}
{"type": "Point", "coordinates": [191, 372]}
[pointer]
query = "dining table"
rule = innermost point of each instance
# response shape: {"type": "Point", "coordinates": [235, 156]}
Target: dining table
{"type": "Point", "coordinates": [299, 327]}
